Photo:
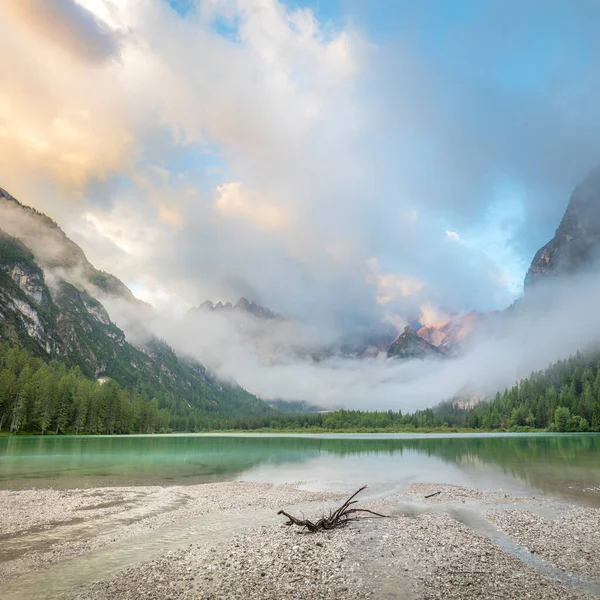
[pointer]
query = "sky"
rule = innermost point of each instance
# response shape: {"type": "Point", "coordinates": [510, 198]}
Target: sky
{"type": "Point", "coordinates": [340, 161]}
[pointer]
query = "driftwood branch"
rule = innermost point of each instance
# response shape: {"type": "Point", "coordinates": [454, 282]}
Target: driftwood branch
{"type": "Point", "coordinates": [338, 518]}
{"type": "Point", "coordinates": [432, 495]}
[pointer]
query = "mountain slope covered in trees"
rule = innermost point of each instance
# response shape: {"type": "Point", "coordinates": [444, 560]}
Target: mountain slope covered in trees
{"type": "Point", "coordinates": [50, 306]}
{"type": "Point", "coordinates": [43, 398]}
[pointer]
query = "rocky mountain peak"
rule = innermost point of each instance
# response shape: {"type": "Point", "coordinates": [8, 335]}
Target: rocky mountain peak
{"type": "Point", "coordinates": [257, 310]}
{"type": "Point", "coordinates": [4, 194]}
{"type": "Point", "coordinates": [242, 305]}
{"type": "Point", "coordinates": [576, 243]}
{"type": "Point", "coordinates": [410, 345]}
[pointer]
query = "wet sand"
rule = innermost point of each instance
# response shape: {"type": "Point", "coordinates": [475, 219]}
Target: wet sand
{"type": "Point", "coordinates": [225, 541]}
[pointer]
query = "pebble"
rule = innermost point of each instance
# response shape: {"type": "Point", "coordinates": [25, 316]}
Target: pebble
{"type": "Point", "coordinates": [426, 555]}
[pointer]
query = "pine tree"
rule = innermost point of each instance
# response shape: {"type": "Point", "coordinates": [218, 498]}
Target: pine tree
{"type": "Point", "coordinates": [596, 416]}
{"type": "Point", "coordinates": [561, 418]}
{"type": "Point", "coordinates": [8, 390]}
{"type": "Point", "coordinates": [18, 413]}
{"type": "Point", "coordinates": [586, 404]}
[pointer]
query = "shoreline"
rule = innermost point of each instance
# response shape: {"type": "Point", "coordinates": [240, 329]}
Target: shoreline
{"type": "Point", "coordinates": [225, 540]}
{"type": "Point", "coordinates": [312, 431]}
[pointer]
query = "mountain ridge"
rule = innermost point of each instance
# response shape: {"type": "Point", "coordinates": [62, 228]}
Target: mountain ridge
{"type": "Point", "coordinates": [50, 304]}
{"type": "Point", "coordinates": [243, 305]}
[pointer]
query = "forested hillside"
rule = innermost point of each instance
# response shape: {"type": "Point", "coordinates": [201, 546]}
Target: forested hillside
{"type": "Point", "coordinates": [564, 397]}
{"type": "Point", "coordinates": [40, 397]}
{"type": "Point", "coordinates": [51, 306]}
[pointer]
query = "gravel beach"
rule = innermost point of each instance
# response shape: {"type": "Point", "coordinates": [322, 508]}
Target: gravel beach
{"type": "Point", "coordinates": [225, 541]}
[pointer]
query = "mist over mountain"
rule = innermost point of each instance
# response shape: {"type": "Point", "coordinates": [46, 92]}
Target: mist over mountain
{"type": "Point", "coordinates": [51, 304]}
{"type": "Point", "coordinates": [352, 168]}
{"type": "Point", "coordinates": [61, 305]}
{"type": "Point", "coordinates": [242, 305]}
{"type": "Point", "coordinates": [481, 352]}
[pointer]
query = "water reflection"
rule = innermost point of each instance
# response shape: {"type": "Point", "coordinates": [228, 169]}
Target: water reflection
{"type": "Point", "coordinates": [559, 464]}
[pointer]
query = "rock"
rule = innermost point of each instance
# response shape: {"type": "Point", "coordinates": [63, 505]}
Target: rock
{"type": "Point", "coordinates": [576, 244]}
{"type": "Point", "coordinates": [410, 345]}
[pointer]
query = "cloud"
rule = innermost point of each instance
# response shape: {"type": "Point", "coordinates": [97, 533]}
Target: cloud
{"type": "Point", "coordinates": [391, 286]}
{"type": "Point", "coordinates": [454, 237]}
{"type": "Point", "coordinates": [235, 202]}
{"type": "Point", "coordinates": [247, 148]}
{"type": "Point", "coordinates": [432, 316]}
{"type": "Point", "coordinates": [68, 26]}
{"type": "Point", "coordinates": [62, 118]}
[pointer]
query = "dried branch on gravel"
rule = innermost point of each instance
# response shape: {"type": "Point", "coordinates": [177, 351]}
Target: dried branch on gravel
{"type": "Point", "coordinates": [339, 518]}
{"type": "Point", "coordinates": [432, 495]}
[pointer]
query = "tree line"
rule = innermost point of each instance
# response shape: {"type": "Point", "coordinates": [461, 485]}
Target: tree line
{"type": "Point", "coordinates": [565, 397]}
{"type": "Point", "coordinates": [51, 398]}
{"type": "Point", "coordinates": [39, 397]}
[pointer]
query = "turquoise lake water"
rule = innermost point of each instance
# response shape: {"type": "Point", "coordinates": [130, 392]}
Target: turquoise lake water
{"type": "Point", "coordinates": [557, 464]}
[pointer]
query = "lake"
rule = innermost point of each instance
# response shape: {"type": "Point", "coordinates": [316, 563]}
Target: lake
{"type": "Point", "coordinates": [558, 464]}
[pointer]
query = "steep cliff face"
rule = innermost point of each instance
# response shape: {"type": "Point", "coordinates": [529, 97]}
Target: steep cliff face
{"type": "Point", "coordinates": [410, 345]}
{"type": "Point", "coordinates": [576, 244]}
{"type": "Point", "coordinates": [66, 320]}
{"type": "Point", "coordinates": [27, 313]}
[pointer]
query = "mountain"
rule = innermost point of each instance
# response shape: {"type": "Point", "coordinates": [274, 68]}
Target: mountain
{"type": "Point", "coordinates": [574, 248]}
{"type": "Point", "coordinates": [576, 243]}
{"type": "Point", "coordinates": [453, 335]}
{"type": "Point", "coordinates": [410, 345]}
{"type": "Point", "coordinates": [51, 304]}
{"type": "Point", "coordinates": [243, 305]}
{"type": "Point", "coordinates": [54, 251]}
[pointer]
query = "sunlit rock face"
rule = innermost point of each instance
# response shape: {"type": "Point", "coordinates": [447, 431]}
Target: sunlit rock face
{"type": "Point", "coordinates": [576, 244]}
{"type": "Point", "coordinates": [455, 334]}
{"type": "Point", "coordinates": [410, 345]}
{"type": "Point", "coordinates": [447, 336]}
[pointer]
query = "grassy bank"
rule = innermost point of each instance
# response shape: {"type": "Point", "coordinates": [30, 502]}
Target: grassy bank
{"type": "Point", "coordinates": [411, 430]}
{"type": "Point", "coordinates": [321, 431]}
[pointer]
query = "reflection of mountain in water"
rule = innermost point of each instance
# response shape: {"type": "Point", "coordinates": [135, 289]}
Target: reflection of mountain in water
{"type": "Point", "coordinates": [547, 462]}
{"type": "Point", "coordinates": [556, 464]}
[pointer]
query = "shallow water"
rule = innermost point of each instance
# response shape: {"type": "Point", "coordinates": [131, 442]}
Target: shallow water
{"type": "Point", "coordinates": [212, 528]}
{"type": "Point", "coordinates": [559, 464]}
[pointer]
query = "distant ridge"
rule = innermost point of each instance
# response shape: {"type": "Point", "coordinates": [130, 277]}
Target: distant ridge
{"type": "Point", "coordinates": [243, 305]}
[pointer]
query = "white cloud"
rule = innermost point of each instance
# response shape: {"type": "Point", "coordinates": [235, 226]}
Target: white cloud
{"type": "Point", "coordinates": [290, 161]}
{"type": "Point", "coordinates": [391, 286]}
{"type": "Point", "coordinates": [233, 201]}
{"type": "Point", "coordinates": [454, 237]}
